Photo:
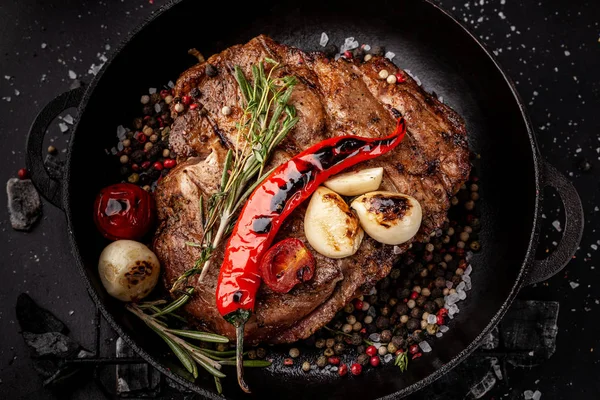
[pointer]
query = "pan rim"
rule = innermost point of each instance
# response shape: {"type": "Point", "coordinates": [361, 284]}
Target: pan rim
{"type": "Point", "coordinates": [155, 362]}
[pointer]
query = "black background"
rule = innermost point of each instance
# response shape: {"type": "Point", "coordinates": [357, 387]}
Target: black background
{"type": "Point", "coordinates": [550, 48]}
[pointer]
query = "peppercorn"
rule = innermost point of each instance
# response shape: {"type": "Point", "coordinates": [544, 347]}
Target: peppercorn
{"type": "Point", "coordinates": [416, 313]}
{"type": "Point", "coordinates": [371, 351]}
{"type": "Point", "coordinates": [425, 292]}
{"type": "Point", "coordinates": [349, 308]}
{"type": "Point", "coordinates": [346, 328]}
{"type": "Point", "coordinates": [133, 178]}
{"type": "Point", "coordinates": [398, 341]}
{"type": "Point", "coordinates": [148, 146]}
{"type": "Point", "coordinates": [328, 352]}
{"type": "Point", "coordinates": [363, 359]}
{"type": "Point", "coordinates": [338, 338]}
{"type": "Point", "coordinates": [432, 329]}
{"type": "Point", "coordinates": [252, 354]}
{"type": "Point", "coordinates": [377, 50]}
{"type": "Point", "coordinates": [475, 246]}
{"type": "Point", "coordinates": [386, 336]}
{"type": "Point", "coordinates": [430, 307]}
{"type": "Point", "coordinates": [411, 303]}
{"type": "Point", "coordinates": [440, 282]}
{"type": "Point", "coordinates": [356, 369]}
{"type": "Point", "coordinates": [420, 301]}
{"type": "Point", "coordinates": [391, 348]}
{"type": "Point", "coordinates": [147, 110]}
{"type": "Point", "coordinates": [351, 319]}
{"type": "Point", "coordinates": [413, 324]}
{"type": "Point", "coordinates": [357, 326]}
{"type": "Point", "coordinates": [343, 370]}
{"type": "Point", "coordinates": [404, 293]}
{"type": "Point", "coordinates": [339, 348]}
{"type": "Point", "coordinates": [356, 339]}
{"type": "Point", "coordinates": [305, 366]}
{"type": "Point", "coordinates": [385, 310]}
{"type": "Point", "coordinates": [404, 319]}
{"type": "Point", "coordinates": [402, 308]}
{"type": "Point", "coordinates": [395, 274]}
{"type": "Point", "coordinates": [321, 361]}
{"type": "Point", "coordinates": [261, 353]}
{"type": "Point", "coordinates": [138, 156]}
{"type": "Point", "coordinates": [382, 322]}
{"type": "Point", "coordinates": [330, 342]}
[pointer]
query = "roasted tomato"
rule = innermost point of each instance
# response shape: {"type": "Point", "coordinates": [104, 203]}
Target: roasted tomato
{"type": "Point", "coordinates": [286, 264]}
{"type": "Point", "coordinates": [124, 211]}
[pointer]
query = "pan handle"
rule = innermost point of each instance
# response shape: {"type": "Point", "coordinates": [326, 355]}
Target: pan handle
{"type": "Point", "coordinates": [572, 233]}
{"type": "Point", "coordinates": [48, 187]}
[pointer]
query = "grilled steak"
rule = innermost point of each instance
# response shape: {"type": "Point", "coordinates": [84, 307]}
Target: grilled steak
{"type": "Point", "coordinates": [332, 98]}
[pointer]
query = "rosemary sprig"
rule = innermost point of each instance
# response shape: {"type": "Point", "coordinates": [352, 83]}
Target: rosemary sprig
{"type": "Point", "coordinates": [190, 355]}
{"type": "Point", "coordinates": [401, 361]}
{"type": "Point", "coordinates": [265, 122]}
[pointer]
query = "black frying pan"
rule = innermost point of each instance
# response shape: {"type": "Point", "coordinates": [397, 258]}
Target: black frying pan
{"type": "Point", "coordinates": [428, 42]}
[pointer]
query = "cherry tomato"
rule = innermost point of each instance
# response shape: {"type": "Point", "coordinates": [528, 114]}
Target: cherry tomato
{"type": "Point", "coordinates": [124, 211]}
{"type": "Point", "coordinates": [286, 264]}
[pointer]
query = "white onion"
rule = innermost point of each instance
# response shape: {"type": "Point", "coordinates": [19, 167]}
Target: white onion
{"type": "Point", "coordinates": [389, 218]}
{"type": "Point", "coordinates": [356, 182]}
{"type": "Point", "coordinates": [129, 270]}
{"type": "Point", "coordinates": [330, 226]}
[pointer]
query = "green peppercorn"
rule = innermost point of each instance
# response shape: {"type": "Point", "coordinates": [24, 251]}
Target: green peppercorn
{"type": "Point", "coordinates": [349, 308]}
{"type": "Point", "coordinates": [328, 352]}
{"type": "Point", "coordinates": [391, 348]}
{"type": "Point", "coordinates": [339, 348]}
{"type": "Point", "coordinates": [305, 366]}
{"type": "Point", "coordinates": [432, 329]}
{"type": "Point", "coordinates": [330, 342]}
{"type": "Point", "coordinates": [320, 343]}
{"type": "Point", "coordinates": [321, 361]}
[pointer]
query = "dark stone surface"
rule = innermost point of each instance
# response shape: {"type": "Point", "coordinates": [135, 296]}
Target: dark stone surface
{"type": "Point", "coordinates": [549, 48]}
{"type": "Point", "coordinates": [35, 319]}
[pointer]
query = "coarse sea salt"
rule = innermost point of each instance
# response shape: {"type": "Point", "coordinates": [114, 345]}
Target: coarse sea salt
{"type": "Point", "coordinates": [397, 250]}
{"type": "Point", "coordinates": [467, 281]}
{"type": "Point", "coordinates": [425, 346]}
{"type": "Point", "coordinates": [462, 295]}
{"type": "Point", "coordinates": [375, 337]}
{"type": "Point", "coordinates": [349, 44]}
{"type": "Point", "coordinates": [121, 131]}
{"type": "Point", "coordinates": [537, 395]}
{"type": "Point", "coordinates": [574, 285]}
{"type": "Point", "coordinates": [468, 270]}
{"type": "Point", "coordinates": [324, 39]}
{"type": "Point", "coordinates": [444, 328]}
{"type": "Point", "coordinates": [461, 286]}
{"type": "Point", "coordinates": [451, 299]}
{"type": "Point", "coordinates": [431, 319]}
{"type": "Point", "coordinates": [439, 334]}
{"type": "Point", "coordinates": [63, 127]}
{"type": "Point", "coordinates": [68, 119]}
{"type": "Point", "coordinates": [72, 74]}
{"type": "Point", "coordinates": [389, 55]}
{"type": "Point", "coordinates": [152, 90]}
{"type": "Point", "coordinates": [387, 358]}
{"type": "Point", "coordinates": [157, 107]}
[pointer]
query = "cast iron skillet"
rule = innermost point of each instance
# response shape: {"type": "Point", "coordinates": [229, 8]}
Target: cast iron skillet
{"type": "Point", "coordinates": [428, 42]}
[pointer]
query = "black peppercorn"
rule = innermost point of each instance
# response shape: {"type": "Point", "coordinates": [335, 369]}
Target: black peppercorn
{"type": "Point", "coordinates": [449, 275]}
{"type": "Point", "coordinates": [416, 313]}
{"type": "Point", "coordinates": [363, 359]}
{"type": "Point", "coordinates": [148, 109]}
{"type": "Point", "coordinates": [144, 179]}
{"type": "Point", "coordinates": [395, 274]}
{"type": "Point", "coordinates": [138, 123]}
{"type": "Point", "coordinates": [328, 352]}
{"type": "Point", "coordinates": [356, 339]}
{"type": "Point", "coordinates": [261, 353]}
{"type": "Point", "coordinates": [211, 70]}
{"type": "Point", "coordinates": [386, 336]}
{"type": "Point", "coordinates": [430, 307]}
{"type": "Point", "coordinates": [382, 322]}
{"type": "Point", "coordinates": [377, 50]}
{"type": "Point", "coordinates": [439, 302]}
{"type": "Point", "coordinates": [456, 280]}
{"type": "Point", "coordinates": [403, 293]}
{"type": "Point", "coordinates": [384, 297]}
{"type": "Point", "coordinates": [154, 153]}
{"type": "Point", "coordinates": [421, 300]}
{"type": "Point", "coordinates": [252, 354]}
{"type": "Point", "coordinates": [440, 282]}
{"type": "Point", "coordinates": [398, 341]}
{"type": "Point", "coordinates": [339, 348]}
{"type": "Point", "coordinates": [338, 338]}
{"type": "Point", "coordinates": [436, 292]}
{"type": "Point", "coordinates": [320, 343]}
{"type": "Point", "coordinates": [358, 53]}
{"type": "Point", "coordinates": [152, 122]}
{"type": "Point", "coordinates": [402, 309]}
{"type": "Point", "coordinates": [330, 50]}
{"type": "Point", "coordinates": [385, 310]}
{"type": "Point", "coordinates": [361, 349]}
{"type": "Point", "coordinates": [372, 299]}
{"type": "Point", "coordinates": [371, 328]}
{"type": "Point", "coordinates": [413, 324]}
{"type": "Point", "coordinates": [155, 98]}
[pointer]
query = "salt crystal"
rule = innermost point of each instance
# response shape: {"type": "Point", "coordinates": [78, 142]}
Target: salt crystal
{"type": "Point", "coordinates": [68, 119]}
{"type": "Point", "coordinates": [328, 367]}
{"type": "Point", "coordinates": [397, 250]}
{"type": "Point", "coordinates": [453, 308]}
{"type": "Point", "coordinates": [17, 92]}
{"type": "Point", "coordinates": [72, 74]}
{"type": "Point", "coordinates": [377, 345]}
{"type": "Point", "coordinates": [372, 312]}
{"type": "Point", "coordinates": [431, 319]}
{"type": "Point", "coordinates": [113, 151]}
{"type": "Point", "coordinates": [467, 281]}
{"type": "Point", "coordinates": [449, 284]}
{"type": "Point", "coordinates": [387, 358]}
{"type": "Point", "coordinates": [120, 146]}
{"type": "Point", "coordinates": [324, 39]}
{"type": "Point", "coordinates": [537, 395]}
{"type": "Point", "coordinates": [531, 353]}
{"type": "Point", "coordinates": [372, 291]}
{"type": "Point", "coordinates": [574, 285]}
{"type": "Point", "coordinates": [468, 256]}
{"type": "Point", "coordinates": [528, 394]}
{"type": "Point", "coordinates": [103, 58]}
{"type": "Point", "coordinates": [6, 98]}
{"type": "Point", "coordinates": [389, 55]}
{"type": "Point", "coordinates": [171, 84]}
{"type": "Point", "coordinates": [468, 270]}
{"type": "Point", "coordinates": [152, 90]}
{"type": "Point", "coordinates": [375, 336]}
{"type": "Point", "coordinates": [461, 287]}
{"type": "Point", "coordinates": [7, 77]}
{"type": "Point", "coordinates": [444, 328]}
{"type": "Point", "coordinates": [121, 131]}
{"type": "Point", "coordinates": [349, 44]}
{"type": "Point", "coordinates": [593, 246]}
{"type": "Point", "coordinates": [313, 367]}
{"type": "Point", "coordinates": [44, 45]}
{"type": "Point", "coordinates": [157, 107]}
{"type": "Point", "coordinates": [556, 225]}
{"type": "Point", "coordinates": [107, 47]}
{"type": "Point", "coordinates": [452, 298]}
{"type": "Point", "coordinates": [441, 99]}
{"type": "Point", "coordinates": [334, 369]}
{"type": "Point", "coordinates": [71, 312]}
{"type": "Point", "coordinates": [425, 346]}
{"type": "Point", "coordinates": [366, 47]}
{"type": "Point", "coordinates": [567, 53]}
{"type": "Point", "coordinates": [462, 295]}
{"type": "Point", "coordinates": [497, 371]}
{"type": "Point", "coordinates": [63, 127]}
{"type": "Point", "coordinates": [439, 334]}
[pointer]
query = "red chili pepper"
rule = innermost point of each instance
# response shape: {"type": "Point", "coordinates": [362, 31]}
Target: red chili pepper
{"type": "Point", "coordinates": [272, 201]}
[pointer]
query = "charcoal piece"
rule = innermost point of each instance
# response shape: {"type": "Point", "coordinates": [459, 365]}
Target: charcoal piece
{"type": "Point", "coordinates": [482, 387]}
{"type": "Point", "coordinates": [24, 204]}
{"type": "Point", "coordinates": [54, 166]}
{"type": "Point", "coordinates": [529, 331]}
{"type": "Point", "coordinates": [35, 319]}
{"type": "Point", "coordinates": [51, 344]}
{"type": "Point", "coordinates": [135, 380]}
